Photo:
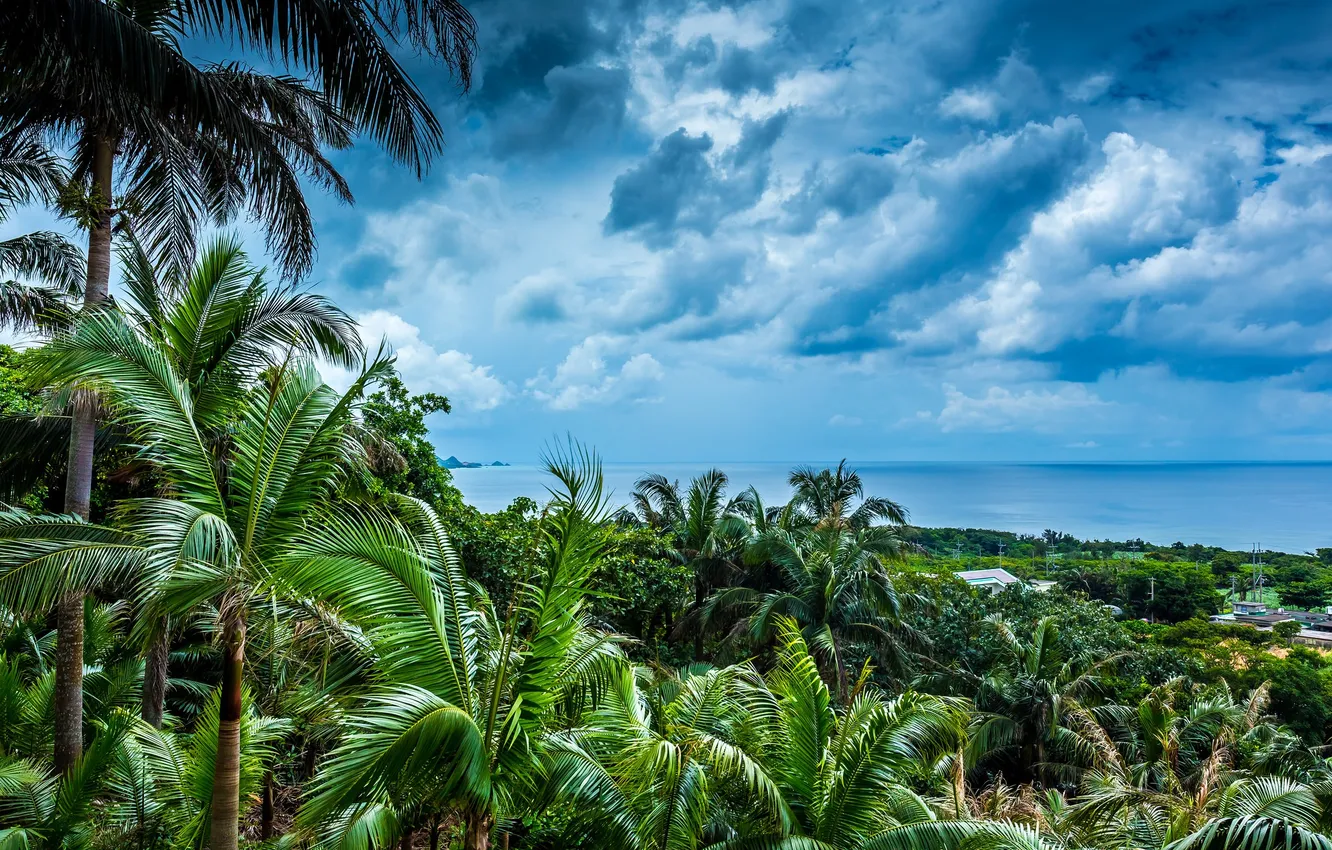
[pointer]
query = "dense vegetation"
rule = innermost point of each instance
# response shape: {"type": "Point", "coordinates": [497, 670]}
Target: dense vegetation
{"type": "Point", "coordinates": [238, 606]}
{"type": "Point", "coordinates": [289, 566]}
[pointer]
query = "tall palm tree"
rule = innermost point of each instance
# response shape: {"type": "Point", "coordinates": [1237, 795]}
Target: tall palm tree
{"type": "Point", "coordinates": [830, 498]}
{"type": "Point", "coordinates": [835, 585]}
{"type": "Point", "coordinates": [218, 324]}
{"type": "Point", "coordinates": [197, 144]}
{"type": "Point", "coordinates": [207, 139]}
{"type": "Point", "coordinates": [458, 719]}
{"type": "Point", "coordinates": [238, 505]}
{"type": "Point", "coordinates": [52, 266]}
{"type": "Point", "coordinates": [706, 531]}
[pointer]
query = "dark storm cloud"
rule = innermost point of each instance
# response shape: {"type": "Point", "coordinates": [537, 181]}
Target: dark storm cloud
{"type": "Point", "coordinates": [693, 283]}
{"type": "Point", "coordinates": [988, 193]}
{"type": "Point", "coordinates": [957, 190]}
{"type": "Point", "coordinates": [1087, 360]}
{"type": "Point", "coordinates": [539, 305]}
{"type": "Point", "coordinates": [581, 102]}
{"type": "Point", "coordinates": [850, 187]}
{"type": "Point", "coordinates": [742, 70]}
{"type": "Point", "coordinates": [552, 74]}
{"type": "Point", "coordinates": [677, 187]}
{"type": "Point", "coordinates": [525, 41]}
{"type": "Point", "coordinates": [699, 53]}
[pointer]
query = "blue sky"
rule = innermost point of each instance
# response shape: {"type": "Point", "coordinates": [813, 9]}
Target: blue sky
{"type": "Point", "coordinates": [783, 230]}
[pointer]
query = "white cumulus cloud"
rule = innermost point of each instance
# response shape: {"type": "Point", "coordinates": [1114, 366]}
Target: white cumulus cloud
{"type": "Point", "coordinates": [1001, 409]}
{"type": "Point", "coordinates": [585, 378]}
{"type": "Point", "coordinates": [470, 387]}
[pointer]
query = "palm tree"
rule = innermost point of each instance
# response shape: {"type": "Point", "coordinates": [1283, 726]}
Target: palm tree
{"type": "Point", "coordinates": [238, 504]}
{"type": "Point", "coordinates": [218, 324]}
{"type": "Point", "coordinates": [465, 697]}
{"type": "Point", "coordinates": [846, 774]}
{"type": "Point", "coordinates": [196, 144]}
{"type": "Point", "coordinates": [670, 761]}
{"type": "Point", "coordinates": [1168, 740]}
{"type": "Point", "coordinates": [1024, 701]}
{"type": "Point", "coordinates": [835, 585]}
{"type": "Point", "coordinates": [160, 782]}
{"type": "Point", "coordinates": [224, 136]}
{"type": "Point", "coordinates": [52, 811]}
{"type": "Point", "coordinates": [1172, 773]}
{"type": "Point", "coordinates": [1223, 809]}
{"type": "Point", "coordinates": [29, 173]}
{"type": "Point", "coordinates": [705, 530]}
{"type": "Point", "coordinates": [844, 778]}
{"type": "Point", "coordinates": [204, 140]}
{"type": "Point", "coordinates": [828, 498]}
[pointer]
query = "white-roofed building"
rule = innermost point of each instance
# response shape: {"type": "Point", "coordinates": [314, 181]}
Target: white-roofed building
{"type": "Point", "coordinates": [993, 580]}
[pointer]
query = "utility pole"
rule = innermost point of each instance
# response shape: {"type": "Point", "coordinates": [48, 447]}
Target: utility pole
{"type": "Point", "coordinates": [1253, 572]}
{"type": "Point", "coordinates": [1258, 572]}
{"type": "Point", "coordinates": [1151, 608]}
{"type": "Point", "coordinates": [1001, 555]}
{"type": "Point", "coordinates": [957, 552]}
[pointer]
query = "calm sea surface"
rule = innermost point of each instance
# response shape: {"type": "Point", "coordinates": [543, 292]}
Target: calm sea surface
{"type": "Point", "coordinates": [1282, 506]}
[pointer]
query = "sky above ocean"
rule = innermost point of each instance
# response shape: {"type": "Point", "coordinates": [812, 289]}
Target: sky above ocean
{"type": "Point", "coordinates": [946, 229]}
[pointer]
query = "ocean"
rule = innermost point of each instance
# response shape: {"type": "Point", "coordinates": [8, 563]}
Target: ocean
{"type": "Point", "coordinates": [1280, 506]}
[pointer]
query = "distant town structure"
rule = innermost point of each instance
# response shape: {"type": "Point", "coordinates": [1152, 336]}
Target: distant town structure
{"type": "Point", "coordinates": [995, 580]}
{"type": "Point", "coordinates": [1315, 626]}
{"type": "Point", "coordinates": [992, 580]}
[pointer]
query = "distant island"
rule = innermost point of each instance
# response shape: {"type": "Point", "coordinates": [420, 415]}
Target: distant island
{"type": "Point", "coordinates": [452, 462]}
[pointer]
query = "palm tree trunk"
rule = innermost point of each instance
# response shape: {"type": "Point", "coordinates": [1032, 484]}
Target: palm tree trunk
{"type": "Point", "coordinates": [155, 676]}
{"type": "Point", "coordinates": [226, 770]}
{"type": "Point", "coordinates": [78, 482]}
{"type": "Point", "coordinates": [405, 842]}
{"type": "Point", "coordinates": [434, 832]}
{"type": "Point", "coordinates": [959, 784]}
{"type": "Point", "coordinates": [69, 682]}
{"type": "Point", "coordinates": [266, 816]}
{"type": "Point", "coordinates": [477, 836]}
{"type": "Point", "coordinates": [698, 627]}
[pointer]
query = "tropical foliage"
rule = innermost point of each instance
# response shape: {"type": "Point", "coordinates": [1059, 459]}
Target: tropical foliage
{"type": "Point", "coordinates": [341, 679]}
{"type": "Point", "coordinates": [240, 606]}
